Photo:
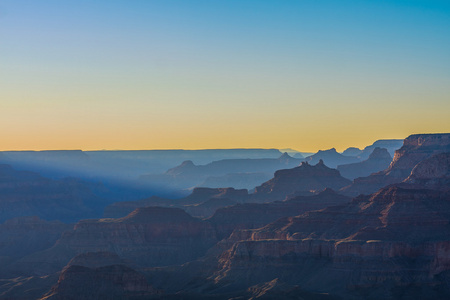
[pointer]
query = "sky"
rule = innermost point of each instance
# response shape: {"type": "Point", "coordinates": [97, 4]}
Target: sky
{"type": "Point", "coordinates": [165, 74]}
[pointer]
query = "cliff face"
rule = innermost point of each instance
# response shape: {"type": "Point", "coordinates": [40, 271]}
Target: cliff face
{"type": "Point", "coordinates": [415, 149]}
{"type": "Point", "coordinates": [433, 172]}
{"type": "Point", "coordinates": [152, 236]}
{"type": "Point", "coordinates": [378, 161]}
{"type": "Point", "coordinates": [368, 248]}
{"type": "Point", "coordinates": [302, 178]}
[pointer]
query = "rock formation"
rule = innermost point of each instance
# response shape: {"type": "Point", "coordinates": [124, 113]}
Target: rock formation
{"type": "Point", "coordinates": [378, 161]}
{"type": "Point", "coordinates": [415, 149]}
{"type": "Point", "coordinates": [393, 243]}
{"type": "Point", "coordinates": [390, 145]}
{"type": "Point", "coordinates": [331, 158]}
{"type": "Point", "coordinates": [433, 172]}
{"type": "Point", "coordinates": [303, 178]}
{"type": "Point", "coordinates": [377, 246]}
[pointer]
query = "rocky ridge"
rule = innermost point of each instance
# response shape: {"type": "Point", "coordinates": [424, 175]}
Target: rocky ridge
{"type": "Point", "coordinates": [378, 161]}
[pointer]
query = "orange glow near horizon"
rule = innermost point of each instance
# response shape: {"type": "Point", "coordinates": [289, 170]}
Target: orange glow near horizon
{"type": "Point", "coordinates": [147, 75]}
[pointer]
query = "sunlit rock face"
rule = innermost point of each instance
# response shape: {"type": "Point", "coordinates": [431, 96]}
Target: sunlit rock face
{"type": "Point", "coordinates": [415, 149]}
{"type": "Point", "coordinates": [433, 172]}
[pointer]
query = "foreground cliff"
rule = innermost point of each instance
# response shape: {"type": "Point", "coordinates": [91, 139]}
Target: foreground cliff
{"type": "Point", "coordinates": [393, 244]}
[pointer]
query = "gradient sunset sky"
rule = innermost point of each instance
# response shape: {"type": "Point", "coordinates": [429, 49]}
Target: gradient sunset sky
{"type": "Point", "coordinates": [305, 74]}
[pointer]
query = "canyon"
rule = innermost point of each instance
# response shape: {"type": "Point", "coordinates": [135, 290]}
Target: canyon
{"type": "Point", "coordinates": [306, 233]}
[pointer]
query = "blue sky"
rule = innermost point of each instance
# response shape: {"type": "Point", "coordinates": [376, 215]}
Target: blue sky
{"type": "Point", "coordinates": [152, 74]}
